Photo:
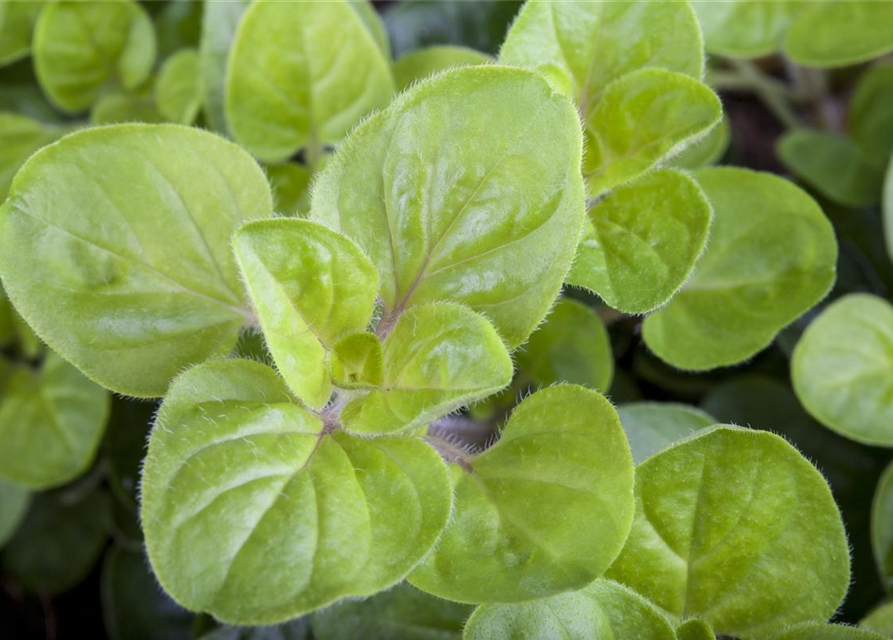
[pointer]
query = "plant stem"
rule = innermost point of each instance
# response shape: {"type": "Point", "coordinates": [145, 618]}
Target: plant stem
{"type": "Point", "coordinates": [774, 94]}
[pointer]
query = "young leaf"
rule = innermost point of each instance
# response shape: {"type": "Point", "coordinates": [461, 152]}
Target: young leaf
{"type": "Point", "coordinates": [490, 219]}
{"type": "Point", "coordinates": [771, 256]}
{"type": "Point", "coordinates": [219, 23]}
{"type": "Point", "coordinates": [291, 188]}
{"type": "Point", "coordinates": [843, 369]}
{"type": "Point", "coordinates": [19, 138]}
{"type": "Point", "coordinates": [881, 529]}
{"type": "Point", "coordinates": [14, 501]}
{"type": "Point", "coordinates": [744, 28]}
{"type": "Point", "coordinates": [256, 512]}
{"type": "Point", "coordinates": [640, 243]}
{"type": "Point", "coordinates": [823, 631]}
{"type": "Point", "coordinates": [562, 452]}
{"type": "Point", "coordinates": [357, 361]}
{"type": "Point", "coordinates": [833, 164]}
{"type": "Point", "coordinates": [870, 118]}
{"type": "Point", "coordinates": [403, 613]}
{"type": "Point", "coordinates": [571, 346]}
{"type": "Point", "coordinates": [694, 629]}
{"type": "Point", "coordinates": [706, 151]}
{"type": "Point", "coordinates": [134, 277]}
{"type": "Point", "coordinates": [439, 357]}
{"type": "Point", "coordinates": [310, 286]}
{"type": "Point", "coordinates": [836, 34]}
{"type": "Point", "coordinates": [735, 527]}
{"type": "Point", "coordinates": [82, 47]}
{"type": "Point", "coordinates": [51, 423]}
{"type": "Point", "coordinates": [604, 610]}
{"type": "Point", "coordinates": [58, 543]}
{"type": "Point", "coordinates": [653, 426]}
{"type": "Point", "coordinates": [301, 75]}
{"type": "Point", "coordinates": [420, 64]}
{"type": "Point", "coordinates": [880, 620]}
{"type": "Point", "coordinates": [125, 106]}
{"type": "Point", "coordinates": [178, 90]}
{"type": "Point", "coordinates": [17, 20]}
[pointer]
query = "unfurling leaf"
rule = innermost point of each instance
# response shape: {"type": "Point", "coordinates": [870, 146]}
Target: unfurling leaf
{"type": "Point", "coordinates": [357, 361]}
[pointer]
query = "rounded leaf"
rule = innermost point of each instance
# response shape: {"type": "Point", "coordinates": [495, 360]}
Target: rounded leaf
{"type": "Point", "coordinates": [19, 138]}
{"type": "Point", "coordinates": [744, 28]}
{"type": "Point", "coordinates": [563, 451]}
{"type": "Point", "coordinates": [837, 34]}
{"type": "Point", "coordinates": [178, 90]}
{"type": "Point", "coordinates": [823, 631]}
{"type": "Point", "coordinates": [870, 117]}
{"type": "Point", "coordinates": [654, 426]}
{"type": "Point", "coordinates": [772, 255]}
{"type": "Point", "coordinates": [879, 619]}
{"type": "Point", "coordinates": [707, 151]}
{"type": "Point", "coordinates": [694, 629]}
{"type": "Point", "coordinates": [255, 512]}
{"type": "Point", "coordinates": [735, 527]}
{"type": "Point", "coordinates": [219, 23]}
{"type": "Point", "coordinates": [453, 204]}
{"type": "Point", "coordinates": [115, 247]}
{"type": "Point", "coordinates": [418, 65]}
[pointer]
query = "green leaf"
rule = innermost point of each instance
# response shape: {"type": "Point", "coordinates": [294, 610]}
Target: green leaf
{"type": "Point", "coordinates": [219, 23]}
{"type": "Point", "coordinates": [58, 543]}
{"type": "Point", "coordinates": [640, 243]}
{"type": "Point", "coordinates": [887, 208]}
{"type": "Point", "coordinates": [641, 119]}
{"type": "Point", "coordinates": [833, 164]}
{"type": "Point", "coordinates": [438, 358]}
{"type": "Point", "coordinates": [694, 629]}
{"type": "Point", "coordinates": [870, 117]}
{"type": "Point", "coordinates": [357, 361]}
{"type": "Point", "coordinates": [836, 34]}
{"type": "Point", "coordinates": [490, 218]}
{"type": "Point", "coordinates": [735, 527]}
{"type": "Point", "coordinates": [123, 106]}
{"type": "Point", "coordinates": [562, 452]}
{"type": "Point", "coordinates": [133, 606]}
{"type": "Point", "coordinates": [744, 28]}
{"type": "Point", "coordinates": [706, 151]}
{"type": "Point", "coordinates": [604, 610]}
{"type": "Point", "coordinates": [178, 25]}
{"type": "Point", "coordinates": [127, 270]}
{"type": "Point", "coordinates": [256, 512]}
{"type": "Point", "coordinates": [291, 188]}
{"type": "Point", "coordinates": [571, 346]}
{"type": "Point", "coordinates": [298, 629]}
{"type": "Point", "coordinates": [178, 89]}
{"type": "Point", "coordinates": [822, 631]}
{"type": "Point", "coordinates": [82, 47]}
{"type": "Point", "coordinates": [420, 64]}
{"type": "Point", "coordinates": [403, 613]}
{"type": "Point", "coordinates": [882, 528]}
{"type": "Point", "coordinates": [19, 138]}
{"type": "Point", "coordinates": [125, 446]}
{"type": "Point", "coordinates": [771, 256]}
{"type": "Point", "coordinates": [880, 620]}
{"type": "Point", "coordinates": [302, 74]}
{"type": "Point", "coordinates": [654, 426]}
{"type": "Point", "coordinates": [14, 501]}
{"type": "Point", "coordinates": [369, 17]}
{"type": "Point", "coordinates": [17, 20]}
{"type": "Point", "coordinates": [310, 286]}
{"type": "Point", "coordinates": [843, 369]}
{"type": "Point", "coordinates": [51, 423]}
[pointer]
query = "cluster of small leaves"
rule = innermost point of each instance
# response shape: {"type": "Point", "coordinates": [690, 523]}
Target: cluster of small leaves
{"type": "Point", "coordinates": [383, 275]}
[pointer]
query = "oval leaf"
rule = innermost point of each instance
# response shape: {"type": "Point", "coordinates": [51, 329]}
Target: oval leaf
{"type": "Point", "coordinates": [735, 527]}
{"type": "Point", "coordinates": [694, 629]}
{"type": "Point", "coordinates": [418, 65]}
{"type": "Point", "coordinates": [17, 20]}
{"type": "Point", "coordinates": [822, 631]}
{"type": "Point", "coordinates": [489, 219]}
{"type": "Point", "coordinates": [836, 34]}
{"type": "Point", "coordinates": [654, 426]}
{"type": "Point", "coordinates": [771, 256]}
{"type": "Point", "coordinates": [256, 512]}
{"type": "Point", "coordinates": [127, 270]}
{"type": "Point", "coordinates": [177, 90]}
{"type": "Point", "coordinates": [562, 451]}
{"type": "Point", "coordinates": [744, 28]}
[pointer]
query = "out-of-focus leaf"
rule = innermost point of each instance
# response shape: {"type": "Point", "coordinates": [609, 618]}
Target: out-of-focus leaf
{"type": "Point", "coordinates": [418, 65]}
{"type": "Point", "coordinates": [14, 501]}
{"type": "Point", "coordinates": [178, 89]}
{"type": "Point", "coordinates": [836, 34]}
{"type": "Point", "coordinates": [653, 426]}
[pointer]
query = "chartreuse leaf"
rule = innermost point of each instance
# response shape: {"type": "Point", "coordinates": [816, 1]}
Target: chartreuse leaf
{"type": "Point", "coordinates": [219, 23]}
{"type": "Point", "coordinates": [823, 631]}
{"type": "Point", "coordinates": [735, 527]}
{"type": "Point", "coordinates": [403, 612]}
{"type": "Point", "coordinates": [178, 90]}
{"type": "Point", "coordinates": [440, 356]}
{"type": "Point", "coordinates": [369, 17]}
{"type": "Point", "coordinates": [640, 243]}
{"type": "Point", "coordinates": [125, 106]}
{"type": "Point", "coordinates": [19, 138]}
{"type": "Point", "coordinates": [58, 543]}
{"type": "Point", "coordinates": [17, 20]}
{"type": "Point", "coordinates": [562, 452]}
{"type": "Point", "coordinates": [418, 65]}
{"type": "Point", "coordinates": [603, 610]}
{"type": "Point", "coordinates": [836, 34]}
{"type": "Point", "coordinates": [571, 346]}
{"type": "Point", "coordinates": [744, 28]}
{"type": "Point", "coordinates": [771, 256]}
{"type": "Point", "coordinates": [310, 286]}
{"type": "Point", "coordinates": [706, 151]}
{"type": "Point", "coordinates": [134, 277]}
{"type": "Point", "coordinates": [653, 426]}
{"type": "Point", "coordinates": [256, 512]}
{"type": "Point", "coordinates": [490, 219]}
{"type": "Point", "coordinates": [833, 164]}
{"type": "Point", "coordinates": [881, 529]}
{"type": "Point", "coordinates": [694, 629]}
{"type": "Point", "coordinates": [357, 361]}
{"type": "Point", "coordinates": [870, 117]}
{"type": "Point", "coordinates": [14, 500]}
{"type": "Point", "coordinates": [880, 620]}
{"type": "Point", "coordinates": [843, 369]}
{"type": "Point", "coordinates": [291, 188]}
{"type": "Point", "coordinates": [80, 48]}
{"type": "Point", "coordinates": [51, 423]}
{"type": "Point", "coordinates": [302, 74]}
